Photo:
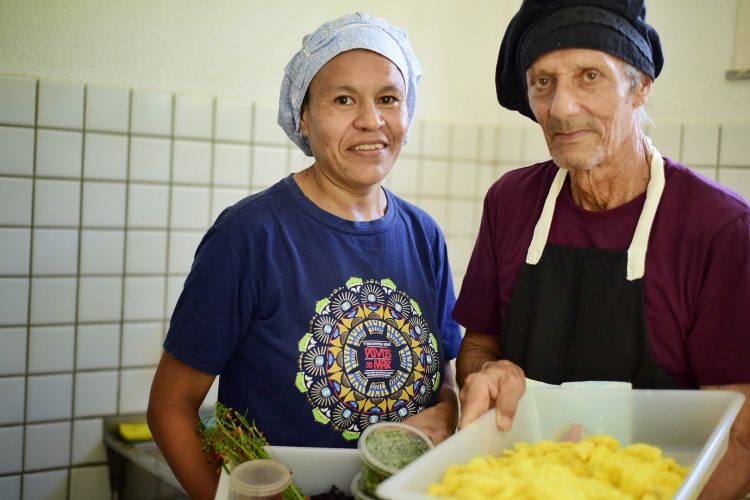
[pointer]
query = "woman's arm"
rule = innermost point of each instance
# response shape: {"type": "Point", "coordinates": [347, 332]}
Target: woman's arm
{"type": "Point", "coordinates": [439, 421]}
{"type": "Point", "coordinates": [731, 479]}
{"type": "Point", "coordinates": [177, 393]}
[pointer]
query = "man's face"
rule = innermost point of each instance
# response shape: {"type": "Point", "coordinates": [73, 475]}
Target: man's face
{"type": "Point", "coordinates": [585, 104]}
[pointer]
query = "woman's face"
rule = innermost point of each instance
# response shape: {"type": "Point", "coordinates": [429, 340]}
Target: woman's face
{"type": "Point", "coordinates": [355, 118]}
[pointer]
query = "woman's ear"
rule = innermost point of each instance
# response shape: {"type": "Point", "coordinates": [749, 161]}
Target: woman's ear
{"type": "Point", "coordinates": [303, 125]}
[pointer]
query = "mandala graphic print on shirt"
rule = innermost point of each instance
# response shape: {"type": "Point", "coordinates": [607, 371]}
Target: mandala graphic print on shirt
{"type": "Point", "coordinates": [369, 357]}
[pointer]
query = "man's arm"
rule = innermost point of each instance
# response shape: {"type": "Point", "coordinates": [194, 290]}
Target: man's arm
{"type": "Point", "coordinates": [177, 392]}
{"type": "Point", "coordinates": [486, 381]}
{"type": "Point", "coordinates": [731, 479]}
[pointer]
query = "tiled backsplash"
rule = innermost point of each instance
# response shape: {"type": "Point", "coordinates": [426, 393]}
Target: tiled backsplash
{"type": "Point", "coordinates": [105, 193]}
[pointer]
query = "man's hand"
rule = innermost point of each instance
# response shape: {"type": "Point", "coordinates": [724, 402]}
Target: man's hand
{"type": "Point", "coordinates": [500, 385]}
{"type": "Point", "coordinates": [486, 381]}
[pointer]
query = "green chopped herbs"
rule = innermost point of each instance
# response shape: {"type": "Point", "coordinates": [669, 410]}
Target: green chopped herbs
{"type": "Point", "coordinates": [230, 439]}
{"type": "Point", "coordinates": [394, 449]}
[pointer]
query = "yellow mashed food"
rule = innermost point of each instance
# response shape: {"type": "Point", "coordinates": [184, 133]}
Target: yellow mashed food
{"type": "Point", "coordinates": [594, 468]}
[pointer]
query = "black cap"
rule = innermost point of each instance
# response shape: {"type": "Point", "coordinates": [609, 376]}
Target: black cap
{"type": "Point", "coordinates": [617, 27]}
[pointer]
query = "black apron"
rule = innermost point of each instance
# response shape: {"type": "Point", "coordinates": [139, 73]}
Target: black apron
{"type": "Point", "coordinates": [578, 314]}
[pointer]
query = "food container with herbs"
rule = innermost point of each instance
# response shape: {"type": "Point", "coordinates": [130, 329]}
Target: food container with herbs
{"type": "Point", "coordinates": [385, 449]}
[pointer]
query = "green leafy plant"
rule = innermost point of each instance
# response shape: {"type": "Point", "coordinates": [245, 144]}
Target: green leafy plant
{"type": "Point", "coordinates": [230, 439]}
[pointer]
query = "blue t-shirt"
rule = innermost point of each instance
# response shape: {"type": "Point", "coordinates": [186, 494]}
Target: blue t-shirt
{"type": "Point", "coordinates": [318, 326]}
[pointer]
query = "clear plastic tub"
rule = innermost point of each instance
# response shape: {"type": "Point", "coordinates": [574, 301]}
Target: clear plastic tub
{"type": "Point", "coordinates": [259, 480]}
{"type": "Point", "coordinates": [690, 426]}
{"type": "Point", "coordinates": [386, 448]}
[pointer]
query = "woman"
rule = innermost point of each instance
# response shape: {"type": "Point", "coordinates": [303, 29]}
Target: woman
{"type": "Point", "coordinates": [323, 302]}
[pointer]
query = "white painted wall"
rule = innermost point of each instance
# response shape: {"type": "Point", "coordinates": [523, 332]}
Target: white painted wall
{"type": "Point", "coordinates": [238, 48]}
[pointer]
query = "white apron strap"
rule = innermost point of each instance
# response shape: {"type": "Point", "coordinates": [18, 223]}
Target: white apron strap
{"type": "Point", "coordinates": [637, 250]}
{"type": "Point", "coordinates": [541, 230]}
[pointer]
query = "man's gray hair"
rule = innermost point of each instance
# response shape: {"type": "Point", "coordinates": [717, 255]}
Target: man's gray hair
{"type": "Point", "coordinates": [636, 76]}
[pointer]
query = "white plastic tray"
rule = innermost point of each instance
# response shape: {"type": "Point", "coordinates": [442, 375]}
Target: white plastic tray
{"type": "Point", "coordinates": [691, 426]}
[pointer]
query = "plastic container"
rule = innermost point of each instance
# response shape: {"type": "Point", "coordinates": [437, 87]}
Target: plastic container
{"type": "Point", "coordinates": [259, 480]}
{"type": "Point", "coordinates": [357, 492]}
{"type": "Point", "coordinates": [314, 470]}
{"type": "Point", "coordinates": [386, 448]}
{"type": "Point", "coordinates": [692, 426]}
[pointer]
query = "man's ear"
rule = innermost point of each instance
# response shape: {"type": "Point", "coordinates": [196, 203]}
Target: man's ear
{"type": "Point", "coordinates": [642, 91]}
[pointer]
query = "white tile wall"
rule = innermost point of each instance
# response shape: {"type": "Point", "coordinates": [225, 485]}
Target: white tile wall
{"type": "Point", "coordinates": [107, 108]}
{"type": "Point", "coordinates": [147, 205]}
{"type": "Point", "coordinates": [100, 298]}
{"type": "Point", "coordinates": [193, 117]}
{"type": "Point", "coordinates": [98, 346]}
{"type": "Point", "coordinates": [190, 207]}
{"type": "Point", "coordinates": [146, 252]}
{"type": "Point", "coordinates": [269, 165]}
{"type": "Point", "coordinates": [87, 443]}
{"type": "Point", "coordinates": [434, 180]}
{"type": "Point", "coordinates": [436, 141]}
{"type": "Point", "coordinates": [53, 300]}
{"type": "Point", "coordinates": [49, 397]}
{"type": "Point", "coordinates": [11, 442]}
{"type": "Point", "coordinates": [144, 298]}
{"type": "Point", "coordinates": [15, 201]}
{"type": "Point", "coordinates": [735, 145]}
{"type": "Point", "coordinates": [12, 391]}
{"type": "Point", "coordinates": [102, 251]}
{"type": "Point", "coordinates": [105, 193]}
{"type": "Point", "coordinates": [45, 444]}
{"type": "Point", "coordinates": [60, 105]}
{"type": "Point", "coordinates": [150, 159]}
{"type": "Point", "coordinates": [151, 113]}
{"type": "Point", "coordinates": [57, 203]}
{"type": "Point", "coordinates": [17, 145]}
{"type": "Point", "coordinates": [96, 394]}
{"type": "Point", "coordinates": [266, 130]}
{"type": "Point", "coordinates": [90, 482]}
{"type": "Point", "coordinates": [55, 251]}
{"type": "Point", "coordinates": [59, 153]}
{"type": "Point", "coordinates": [10, 487]}
{"type": "Point", "coordinates": [12, 351]}
{"type": "Point", "coordinates": [105, 156]}
{"type": "Point", "coordinates": [134, 388]}
{"type": "Point", "coordinates": [51, 485]}
{"type": "Point", "coordinates": [465, 141]}
{"type": "Point", "coordinates": [51, 348]}
{"type": "Point", "coordinates": [17, 100]}
{"type": "Point", "coordinates": [700, 145]}
{"type": "Point", "coordinates": [15, 244]}
{"type": "Point", "coordinates": [14, 300]}
{"type": "Point", "coordinates": [233, 120]}
{"type": "Point", "coordinates": [141, 343]}
{"type": "Point", "coordinates": [192, 162]}
{"type": "Point", "coordinates": [103, 204]}
{"type": "Point", "coordinates": [232, 164]}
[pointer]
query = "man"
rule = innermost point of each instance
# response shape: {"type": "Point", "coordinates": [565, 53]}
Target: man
{"type": "Point", "coordinates": [608, 262]}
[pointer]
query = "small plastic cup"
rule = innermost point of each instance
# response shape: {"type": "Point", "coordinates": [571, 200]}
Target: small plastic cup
{"type": "Point", "coordinates": [356, 488]}
{"type": "Point", "coordinates": [259, 480]}
{"type": "Point", "coordinates": [386, 448]}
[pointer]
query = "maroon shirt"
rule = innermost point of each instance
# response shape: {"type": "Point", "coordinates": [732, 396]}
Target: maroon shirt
{"type": "Point", "coordinates": [697, 278]}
